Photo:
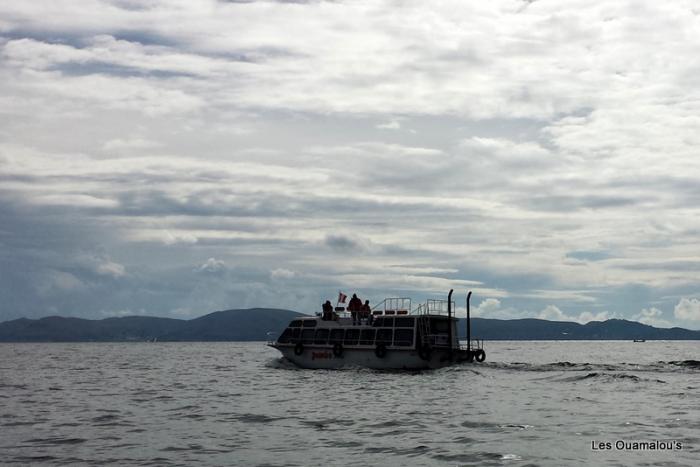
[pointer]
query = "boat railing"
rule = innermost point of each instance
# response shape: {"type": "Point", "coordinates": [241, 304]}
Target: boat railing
{"type": "Point", "coordinates": [402, 306]}
{"type": "Point", "coordinates": [393, 306]}
{"type": "Point", "coordinates": [433, 307]}
{"type": "Point", "coordinates": [476, 344]}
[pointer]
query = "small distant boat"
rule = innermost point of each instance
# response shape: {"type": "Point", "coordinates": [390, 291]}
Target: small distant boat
{"type": "Point", "coordinates": [394, 336]}
{"type": "Point", "coordinates": [640, 340]}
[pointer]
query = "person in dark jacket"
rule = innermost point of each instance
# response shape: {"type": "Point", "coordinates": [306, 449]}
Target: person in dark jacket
{"type": "Point", "coordinates": [365, 311]}
{"type": "Point", "coordinates": [354, 307]}
{"type": "Point", "coordinates": [327, 311]}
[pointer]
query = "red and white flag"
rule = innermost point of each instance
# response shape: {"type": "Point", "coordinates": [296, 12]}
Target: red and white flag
{"type": "Point", "coordinates": [341, 297]}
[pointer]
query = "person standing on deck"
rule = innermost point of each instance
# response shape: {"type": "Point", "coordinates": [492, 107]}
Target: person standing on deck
{"type": "Point", "coordinates": [327, 311]}
{"type": "Point", "coordinates": [354, 307]}
{"type": "Point", "coordinates": [365, 311]}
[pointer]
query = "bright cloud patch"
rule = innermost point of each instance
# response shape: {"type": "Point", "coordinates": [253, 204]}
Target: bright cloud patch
{"type": "Point", "coordinates": [687, 309]}
{"type": "Point", "coordinates": [281, 274]}
{"type": "Point", "coordinates": [653, 317]}
{"type": "Point", "coordinates": [553, 313]}
{"type": "Point", "coordinates": [492, 308]}
{"type": "Point", "coordinates": [212, 266]}
{"type": "Point", "coordinates": [110, 268]}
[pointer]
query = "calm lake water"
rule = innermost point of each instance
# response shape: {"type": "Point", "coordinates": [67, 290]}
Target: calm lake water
{"type": "Point", "coordinates": [530, 403]}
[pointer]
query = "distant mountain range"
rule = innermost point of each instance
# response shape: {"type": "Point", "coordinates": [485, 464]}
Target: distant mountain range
{"type": "Point", "coordinates": [540, 329]}
{"type": "Point", "coordinates": [254, 324]}
{"type": "Point", "coordinates": [231, 325]}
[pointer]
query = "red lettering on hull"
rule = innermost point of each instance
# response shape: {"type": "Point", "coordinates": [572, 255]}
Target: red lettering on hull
{"type": "Point", "coordinates": [321, 355]}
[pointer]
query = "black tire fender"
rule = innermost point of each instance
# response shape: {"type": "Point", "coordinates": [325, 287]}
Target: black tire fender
{"type": "Point", "coordinates": [480, 355]}
{"type": "Point", "coordinates": [299, 348]}
{"type": "Point", "coordinates": [425, 352]}
{"type": "Point", "coordinates": [338, 349]}
{"type": "Point", "coordinates": [380, 350]}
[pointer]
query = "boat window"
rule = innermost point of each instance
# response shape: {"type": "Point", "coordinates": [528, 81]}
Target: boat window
{"type": "Point", "coordinates": [295, 324]}
{"type": "Point", "coordinates": [336, 336]}
{"type": "Point", "coordinates": [404, 322]}
{"type": "Point", "coordinates": [309, 323]}
{"type": "Point", "coordinates": [367, 337]}
{"type": "Point", "coordinates": [378, 322]}
{"type": "Point", "coordinates": [438, 326]}
{"type": "Point", "coordinates": [388, 322]}
{"type": "Point", "coordinates": [321, 336]}
{"type": "Point", "coordinates": [307, 336]}
{"type": "Point", "coordinates": [384, 336]}
{"type": "Point", "coordinates": [351, 337]}
{"type": "Point", "coordinates": [403, 337]}
{"type": "Point", "coordinates": [285, 337]}
{"type": "Point", "coordinates": [295, 334]}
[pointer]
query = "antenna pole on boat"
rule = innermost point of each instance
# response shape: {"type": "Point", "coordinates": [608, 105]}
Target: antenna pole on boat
{"type": "Point", "coordinates": [469, 325]}
{"type": "Point", "coordinates": [449, 321]}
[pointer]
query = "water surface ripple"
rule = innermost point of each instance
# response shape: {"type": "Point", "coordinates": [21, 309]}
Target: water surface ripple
{"type": "Point", "coordinates": [182, 404]}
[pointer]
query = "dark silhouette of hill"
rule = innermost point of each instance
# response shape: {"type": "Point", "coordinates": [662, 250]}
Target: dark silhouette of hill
{"type": "Point", "coordinates": [539, 329]}
{"type": "Point", "coordinates": [254, 324]}
{"type": "Point", "coordinates": [59, 329]}
{"type": "Point", "coordinates": [234, 325]}
{"type": "Point", "coordinates": [231, 325]}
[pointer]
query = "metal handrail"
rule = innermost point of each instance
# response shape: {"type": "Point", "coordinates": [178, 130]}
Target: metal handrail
{"type": "Point", "coordinates": [432, 307]}
{"type": "Point", "coordinates": [476, 344]}
{"type": "Point", "coordinates": [393, 304]}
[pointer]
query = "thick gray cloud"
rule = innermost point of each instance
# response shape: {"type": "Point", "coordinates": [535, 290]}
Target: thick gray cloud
{"type": "Point", "coordinates": [270, 153]}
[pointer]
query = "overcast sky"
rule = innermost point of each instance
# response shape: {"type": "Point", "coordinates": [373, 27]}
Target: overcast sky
{"type": "Point", "coordinates": [174, 158]}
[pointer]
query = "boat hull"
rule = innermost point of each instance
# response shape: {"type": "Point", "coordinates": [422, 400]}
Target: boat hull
{"type": "Point", "coordinates": [322, 357]}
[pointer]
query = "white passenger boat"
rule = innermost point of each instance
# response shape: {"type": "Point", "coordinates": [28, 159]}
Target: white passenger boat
{"type": "Point", "coordinates": [394, 336]}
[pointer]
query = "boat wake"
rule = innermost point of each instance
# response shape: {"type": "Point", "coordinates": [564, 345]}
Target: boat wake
{"type": "Point", "coordinates": [599, 368]}
{"type": "Point", "coordinates": [281, 363]}
{"type": "Point", "coordinates": [687, 363]}
{"type": "Point", "coordinates": [609, 377]}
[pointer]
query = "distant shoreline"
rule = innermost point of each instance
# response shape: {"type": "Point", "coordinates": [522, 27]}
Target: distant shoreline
{"type": "Point", "coordinates": [254, 324]}
{"type": "Point", "coordinates": [263, 342]}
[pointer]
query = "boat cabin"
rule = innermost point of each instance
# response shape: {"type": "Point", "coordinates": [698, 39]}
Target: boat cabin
{"type": "Point", "coordinates": [390, 325]}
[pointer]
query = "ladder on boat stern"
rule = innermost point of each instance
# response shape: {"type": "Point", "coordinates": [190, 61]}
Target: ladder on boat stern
{"type": "Point", "coordinates": [424, 328]}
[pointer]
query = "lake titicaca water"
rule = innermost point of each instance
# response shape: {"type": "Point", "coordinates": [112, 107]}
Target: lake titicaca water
{"type": "Point", "coordinates": [168, 404]}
